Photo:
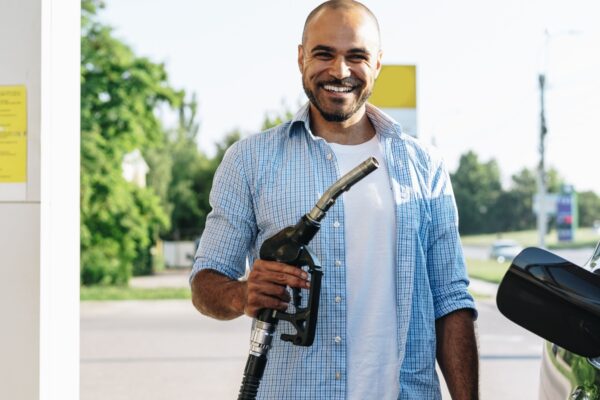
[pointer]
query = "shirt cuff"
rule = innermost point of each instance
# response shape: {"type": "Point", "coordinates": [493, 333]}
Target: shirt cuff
{"type": "Point", "coordinates": [200, 265]}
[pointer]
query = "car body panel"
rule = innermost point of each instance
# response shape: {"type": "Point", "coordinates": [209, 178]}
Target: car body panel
{"type": "Point", "coordinates": [560, 302]}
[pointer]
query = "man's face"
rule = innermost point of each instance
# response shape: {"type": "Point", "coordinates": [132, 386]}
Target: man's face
{"type": "Point", "coordinates": [339, 61]}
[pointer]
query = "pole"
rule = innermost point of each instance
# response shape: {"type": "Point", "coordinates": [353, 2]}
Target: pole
{"type": "Point", "coordinates": [542, 217]}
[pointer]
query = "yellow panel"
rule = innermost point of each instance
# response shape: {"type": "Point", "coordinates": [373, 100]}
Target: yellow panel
{"type": "Point", "coordinates": [13, 134]}
{"type": "Point", "coordinates": [396, 87]}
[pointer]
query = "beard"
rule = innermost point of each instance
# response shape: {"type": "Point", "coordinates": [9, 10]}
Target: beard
{"type": "Point", "coordinates": [340, 115]}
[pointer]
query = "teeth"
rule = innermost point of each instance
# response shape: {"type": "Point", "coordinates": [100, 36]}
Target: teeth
{"type": "Point", "coordinates": [337, 89]}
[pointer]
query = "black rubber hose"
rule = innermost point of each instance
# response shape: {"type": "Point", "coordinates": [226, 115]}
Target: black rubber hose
{"type": "Point", "coordinates": [249, 388]}
{"type": "Point", "coordinates": [255, 366]}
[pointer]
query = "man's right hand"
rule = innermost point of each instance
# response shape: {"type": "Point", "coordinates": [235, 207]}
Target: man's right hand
{"type": "Point", "coordinates": [221, 297]}
{"type": "Point", "coordinates": [267, 286]}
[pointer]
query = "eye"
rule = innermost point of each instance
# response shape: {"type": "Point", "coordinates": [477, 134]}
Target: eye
{"type": "Point", "coordinates": [322, 55]}
{"type": "Point", "coordinates": [357, 57]}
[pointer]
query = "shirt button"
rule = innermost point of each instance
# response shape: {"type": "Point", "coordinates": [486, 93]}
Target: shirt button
{"type": "Point", "coordinates": [336, 224]}
{"type": "Point", "coordinates": [338, 376]}
{"type": "Point", "coordinates": [338, 299]}
{"type": "Point", "coordinates": [329, 156]}
{"type": "Point", "coordinates": [337, 339]}
{"type": "Point", "coordinates": [338, 263]}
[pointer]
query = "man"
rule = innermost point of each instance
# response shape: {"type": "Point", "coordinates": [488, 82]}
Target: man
{"type": "Point", "coordinates": [394, 292]}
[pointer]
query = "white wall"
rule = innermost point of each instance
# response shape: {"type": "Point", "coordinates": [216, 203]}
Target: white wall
{"type": "Point", "coordinates": [179, 254]}
{"type": "Point", "coordinates": [39, 231]}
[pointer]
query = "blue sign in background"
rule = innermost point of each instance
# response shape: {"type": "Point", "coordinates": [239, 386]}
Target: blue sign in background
{"type": "Point", "coordinates": [566, 216]}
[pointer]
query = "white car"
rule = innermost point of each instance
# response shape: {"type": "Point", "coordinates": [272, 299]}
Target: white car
{"type": "Point", "coordinates": [505, 250]}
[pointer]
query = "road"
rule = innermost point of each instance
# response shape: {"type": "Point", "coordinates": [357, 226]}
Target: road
{"type": "Point", "coordinates": [157, 350]}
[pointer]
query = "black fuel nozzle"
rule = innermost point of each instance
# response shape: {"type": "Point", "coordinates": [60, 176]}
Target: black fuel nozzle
{"type": "Point", "coordinates": [290, 246]}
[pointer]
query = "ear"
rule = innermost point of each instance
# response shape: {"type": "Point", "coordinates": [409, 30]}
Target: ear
{"type": "Point", "coordinates": [300, 57]}
{"type": "Point", "coordinates": [378, 63]}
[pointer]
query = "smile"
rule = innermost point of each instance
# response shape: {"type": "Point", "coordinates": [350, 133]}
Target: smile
{"type": "Point", "coordinates": [338, 89]}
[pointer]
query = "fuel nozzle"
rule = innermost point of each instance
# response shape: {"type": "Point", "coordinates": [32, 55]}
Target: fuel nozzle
{"type": "Point", "coordinates": [340, 186]}
{"type": "Point", "coordinates": [290, 246]}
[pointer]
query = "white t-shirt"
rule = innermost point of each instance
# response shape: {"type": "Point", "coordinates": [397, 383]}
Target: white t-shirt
{"type": "Point", "coordinates": [372, 358]}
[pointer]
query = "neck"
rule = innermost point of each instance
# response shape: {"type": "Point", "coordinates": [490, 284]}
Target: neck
{"type": "Point", "coordinates": [355, 130]}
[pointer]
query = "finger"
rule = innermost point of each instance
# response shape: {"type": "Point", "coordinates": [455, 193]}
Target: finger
{"type": "Point", "coordinates": [278, 274]}
{"type": "Point", "coordinates": [277, 267]}
{"type": "Point", "coordinates": [259, 301]}
{"type": "Point", "coordinates": [268, 289]}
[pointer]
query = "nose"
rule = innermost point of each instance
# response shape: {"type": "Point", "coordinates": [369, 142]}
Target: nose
{"type": "Point", "coordinates": [339, 68]}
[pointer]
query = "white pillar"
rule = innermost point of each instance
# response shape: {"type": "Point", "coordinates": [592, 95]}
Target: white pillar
{"type": "Point", "coordinates": [39, 218]}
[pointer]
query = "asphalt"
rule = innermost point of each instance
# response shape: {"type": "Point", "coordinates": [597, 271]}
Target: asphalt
{"type": "Point", "coordinates": [166, 349]}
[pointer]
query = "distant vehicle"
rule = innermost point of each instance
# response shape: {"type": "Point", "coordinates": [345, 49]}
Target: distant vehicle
{"type": "Point", "coordinates": [597, 226]}
{"type": "Point", "coordinates": [505, 250]}
{"type": "Point", "coordinates": [559, 301]}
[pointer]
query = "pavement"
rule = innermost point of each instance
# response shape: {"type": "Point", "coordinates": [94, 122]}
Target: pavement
{"type": "Point", "coordinates": [165, 349]}
{"type": "Point", "coordinates": [172, 278]}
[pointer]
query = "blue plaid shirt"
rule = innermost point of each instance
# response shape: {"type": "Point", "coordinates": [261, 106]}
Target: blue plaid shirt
{"type": "Point", "coordinates": [268, 181]}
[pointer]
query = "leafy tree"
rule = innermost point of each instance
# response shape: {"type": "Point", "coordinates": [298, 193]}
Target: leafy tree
{"type": "Point", "coordinates": [589, 208]}
{"type": "Point", "coordinates": [273, 119]}
{"type": "Point", "coordinates": [120, 93]}
{"type": "Point", "coordinates": [477, 187]}
{"type": "Point", "coordinates": [203, 179]}
{"type": "Point", "coordinates": [514, 208]}
{"type": "Point", "coordinates": [187, 162]}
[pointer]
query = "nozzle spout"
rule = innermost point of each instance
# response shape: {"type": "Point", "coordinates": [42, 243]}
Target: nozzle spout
{"type": "Point", "coordinates": [340, 186]}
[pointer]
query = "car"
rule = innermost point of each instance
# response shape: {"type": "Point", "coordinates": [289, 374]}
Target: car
{"type": "Point", "coordinates": [560, 302]}
{"type": "Point", "coordinates": [505, 250]}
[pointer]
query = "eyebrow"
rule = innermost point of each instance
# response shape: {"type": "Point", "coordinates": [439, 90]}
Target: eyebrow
{"type": "Point", "coordinates": [321, 47]}
{"type": "Point", "coordinates": [355, 50]}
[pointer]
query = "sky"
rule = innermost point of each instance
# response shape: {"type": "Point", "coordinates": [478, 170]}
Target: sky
{"type": "Point", "coordinates": [477, 70]}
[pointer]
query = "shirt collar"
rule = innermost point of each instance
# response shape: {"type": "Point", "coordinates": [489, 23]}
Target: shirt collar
{"type": "Point", "coordinates": [384, 124]}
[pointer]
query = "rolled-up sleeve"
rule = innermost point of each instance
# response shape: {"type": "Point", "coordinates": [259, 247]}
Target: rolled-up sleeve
{"type": "Point", "coordinates": [445, 259]}
{"type": "Point", "coordinates": [230, 227]}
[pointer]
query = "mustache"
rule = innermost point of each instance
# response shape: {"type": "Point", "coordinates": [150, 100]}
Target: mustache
{"type": "Point", "coordinates": [348, 82]}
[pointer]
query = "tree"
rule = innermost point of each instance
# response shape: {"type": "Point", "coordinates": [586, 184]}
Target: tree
{"type": "Point", "coordinates": [477, 187]}
{"type": "Point", "coordinates": [120, 93]}
{"type": "Point", "coordinates": [273, 119]}
{"type": "Point", "coordinates": [186, 163]}
{"type": "Point", "coordinates": [589, 208]}
{"type": "Point", "coordinates": [203, 179]}
{"type": "Point", "coordinates": [514, 209]}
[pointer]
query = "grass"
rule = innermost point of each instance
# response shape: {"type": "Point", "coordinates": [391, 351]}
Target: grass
{"type": "Point", "coordinates": [487, 270]}
{"type": "Point", "coordinates": [88, 293]}
{"type": "Point", "coordinates": [480, 296]}
{"type": "Point", "coordinates": [584, 237]}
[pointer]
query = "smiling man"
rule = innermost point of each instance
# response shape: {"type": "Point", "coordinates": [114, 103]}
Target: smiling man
{"type": "Point", "coordinates": [394, 293]}
{"type": "Point", "coordinates": [340, 58]}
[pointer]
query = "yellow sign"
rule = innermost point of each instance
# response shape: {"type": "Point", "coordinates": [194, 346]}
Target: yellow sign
{"type": "Point", "coordinates": [13, 134]}
{"type": "Point", "coordinates": [396, 87]}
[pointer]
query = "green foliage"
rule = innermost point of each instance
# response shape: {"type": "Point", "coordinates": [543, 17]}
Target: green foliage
{"type": "Point", "coordinates": [119, 96]}
{"type": "Point", "coordinates": [514, 208]}
{"type": "Point", "coordinates": [271, 120]}
{"type": "Point", "coordinates": [589, 208]}
{"type": "Point", "coordinates": [485, 207]}
{"type": "Point", "coordinates": [173, 170]}
{"type": "Point", "coordinates": [190, 176]}
{"type": "Point", "coordinates": [204, 178]}
{"type": "Point", "coordinates": [477, 188]}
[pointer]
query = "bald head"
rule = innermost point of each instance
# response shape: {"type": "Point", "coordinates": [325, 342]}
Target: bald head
{"type": "Point", "coordinates": [341, 5]}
